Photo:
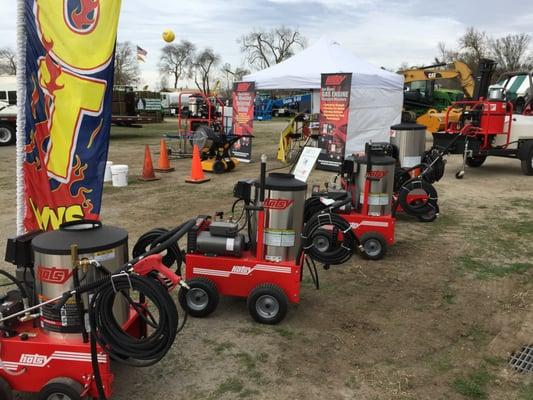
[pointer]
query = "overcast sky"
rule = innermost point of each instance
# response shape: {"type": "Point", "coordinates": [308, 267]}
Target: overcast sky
{"type": "Point", "coordinates": [384, 32]}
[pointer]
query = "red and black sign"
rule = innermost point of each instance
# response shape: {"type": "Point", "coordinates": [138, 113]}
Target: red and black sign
{"type": "Point", "coordinates": [334, 113]}
{"type": "Point", "coordinates": [243, 118]}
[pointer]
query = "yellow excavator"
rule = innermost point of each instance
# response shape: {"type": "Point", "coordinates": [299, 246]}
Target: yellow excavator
{"type": "Point", "coordinates": [427, 103]}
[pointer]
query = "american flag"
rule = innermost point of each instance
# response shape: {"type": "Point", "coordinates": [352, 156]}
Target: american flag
{"type": "Point", "coordinates": [141, 54]}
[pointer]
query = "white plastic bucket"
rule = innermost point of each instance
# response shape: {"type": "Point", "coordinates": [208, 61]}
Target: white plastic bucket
{"type": "Point", "coordinates": [108, 177]}
{"type": "Point", "coordinates": [120, 175]}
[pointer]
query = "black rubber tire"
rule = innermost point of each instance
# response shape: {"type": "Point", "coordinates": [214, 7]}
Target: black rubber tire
{"type": "Point", "coordinates": [8, 134]}
{"type": "Point", "coordinates": [275, 297]}
{"type": "Point", "coordinates": [374, 239]}
{"type": "Point", "coordinates": [201, 285]}
{"type": "Point", "coordinates": [475, 162]}
{"type": "Point", "coordinates": [219, 167]}
{"type": "Point", "coordinates": [62, 386]}
{"type": "Point", "coordinates": [230, 165]}
{"type": "Point", "coordinates": [5, 390]}
{"type": "Point", "coordinates": [527, 164]}
{"type": "Point", "coordinates": [430, 216]}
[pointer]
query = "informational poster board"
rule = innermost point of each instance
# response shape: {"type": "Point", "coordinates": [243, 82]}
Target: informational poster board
{"type": "Point", "coordinates": [69, 53]}
{"type": "Point", "coordinates": [306, 163]}
{"type": "Point", "coordinates": [334, 115]}
{"type": "Point", "coordinates": [243, 118]}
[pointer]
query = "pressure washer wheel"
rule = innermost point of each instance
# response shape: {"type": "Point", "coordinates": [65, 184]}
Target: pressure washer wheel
{"type": "Point", "coordinates": [374, 246]}
{"type": "Point", "coordinates": [475, 162]}
{"type": "Point", "coordinates": [201, 299]}
{"type": "Point", "coordinates": [61, 389]}
{"type": "Point", "coordinates": [268, 304]}
{"type": "Point", "coordinates": [231, 165]}
{"type": "Point", "coordinates": [219, 167]}
{"type": "Point", "coordinates": [5, 390]}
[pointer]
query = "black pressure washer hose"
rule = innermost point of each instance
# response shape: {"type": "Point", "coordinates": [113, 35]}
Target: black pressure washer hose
{"type": "Point", "coordinates": [108, 333]}
{"type": "Point", "coordinates": [335, 254]}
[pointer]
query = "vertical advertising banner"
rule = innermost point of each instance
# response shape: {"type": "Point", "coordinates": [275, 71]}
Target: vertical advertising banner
{"type": "Point", "coordinates": [69, 80]}
{"type": "Point", "coordinates": [243, 118]}
{"type": "Point", "coordinates": [334, 113]}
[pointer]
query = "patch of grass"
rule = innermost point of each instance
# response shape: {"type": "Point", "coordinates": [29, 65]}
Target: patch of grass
{"type": "Point", "coordinates": [474, 385]}
{"type": "Point", "coordinates": [526, 392]}
{"type": "Point", "coordinates": [252, 330]}
{"type": "Point", "coordinates": [485, 270]}
{"type": "Point", "coordinates": [285, 332]}
{"type": "Point", "coordinates": [352, 383]}
{"type": "Point", "coordinates": [521, 228]}
{"type": "Point", "coordinates": [442, 364]}
{"type": "Point", "coordinates": [448, 295]}
{"type": "Point", "coordinates": [248, 393]}
{"type": "Point", "coordinates": [520, 202]}
{"type": "Point", "coordinates": [246, 360]}
{"type": "Point", "coordinates": [477, 335]}
{"type": "Point", "coordinates": [494, 361]}
{"type": "Point", "coordinates": [230, 385]}
{"type": "Point", "coordinates": [221, 347]}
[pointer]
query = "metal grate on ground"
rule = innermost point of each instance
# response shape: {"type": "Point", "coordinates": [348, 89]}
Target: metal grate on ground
{"type": "Point", "coordinates": [522, 361]}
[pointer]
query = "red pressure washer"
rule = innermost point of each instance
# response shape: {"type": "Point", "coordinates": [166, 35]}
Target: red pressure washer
{"type": "Point", "coordinates": [80, 304]}
{"type": "Point", "coordinates": [265, 265]}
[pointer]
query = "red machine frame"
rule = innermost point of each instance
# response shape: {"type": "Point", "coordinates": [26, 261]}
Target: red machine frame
{"type": "Point", "coordinates": [45, 357]}
{"type": "Point", "coordinates": [202, 121]}
{"type": "Point", "coordinates": [35, 357]}
{"type": "Point", "coordinates": [239, 276]}
{"type": "Point", "coordinates": [494, 115]}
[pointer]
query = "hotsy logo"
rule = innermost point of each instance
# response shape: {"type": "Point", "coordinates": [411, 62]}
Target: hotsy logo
{"type": "Point", "coordinates": [32, 359]}
{"type": "Point", "coordinates": [243, 87]}
{"type": "Point", "coordinates": [54, 275]}
{"type": "Point", "coordinates": [335, 80]}
{"type": "Point", "coordinates": [376, 174]}
{"type": "Point", "coordinates": [277, 204]}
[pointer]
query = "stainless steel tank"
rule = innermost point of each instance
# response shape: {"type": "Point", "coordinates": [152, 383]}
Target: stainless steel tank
{"type": "Point", "coordinates": [381, 186]}
{"type": "Point", "coordinates": [410, 142]}
{"type": "Point", "coordinates": [284, 214]}
{"type": "Point", "coordinates": [54, 270]}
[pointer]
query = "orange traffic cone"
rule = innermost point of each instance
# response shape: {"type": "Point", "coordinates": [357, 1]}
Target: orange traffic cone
{"type": "Point", "coordinates": [148, 168]}
{"type": "Point", "coordinates": [164, 163]}
{"type": "Point", "coordinates": [197, 172]}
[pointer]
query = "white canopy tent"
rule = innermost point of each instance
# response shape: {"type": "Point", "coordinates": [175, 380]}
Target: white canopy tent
{"type": "Point", "coordinates": [376, 96]}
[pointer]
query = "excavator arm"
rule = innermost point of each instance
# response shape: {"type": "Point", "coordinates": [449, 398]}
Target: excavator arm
{"type": "Point", "coordinates": [456, 70]}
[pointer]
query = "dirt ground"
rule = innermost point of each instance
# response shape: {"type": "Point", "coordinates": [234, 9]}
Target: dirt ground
{"type": "Point", "coordinates": [436, 319]}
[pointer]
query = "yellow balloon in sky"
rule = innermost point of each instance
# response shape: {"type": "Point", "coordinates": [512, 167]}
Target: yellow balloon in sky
{"type": "Point", "coordinates": [168, 36]}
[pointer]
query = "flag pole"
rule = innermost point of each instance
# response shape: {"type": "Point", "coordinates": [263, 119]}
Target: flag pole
{"type": "Point", "coordinates": [21, 114]}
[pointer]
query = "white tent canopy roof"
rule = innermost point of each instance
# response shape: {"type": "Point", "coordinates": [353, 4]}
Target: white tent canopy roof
{"type": "Point", "coordinates": [303, 71]}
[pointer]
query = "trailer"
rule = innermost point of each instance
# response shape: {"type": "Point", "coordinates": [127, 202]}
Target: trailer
{"type": "Point", "coordinates": [8, 124]}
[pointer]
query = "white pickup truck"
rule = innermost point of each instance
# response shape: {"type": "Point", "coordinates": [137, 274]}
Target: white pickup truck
{"type": "Point", "coordinates": [8, 123]}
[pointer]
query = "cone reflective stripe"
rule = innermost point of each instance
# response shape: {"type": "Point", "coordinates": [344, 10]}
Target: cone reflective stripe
{"type": "Point", "coordinates": [148, 168]}
{"type": "Point", "coordinates": [164, 163]}
{"type": "Point", "coordinates": [197, 172]}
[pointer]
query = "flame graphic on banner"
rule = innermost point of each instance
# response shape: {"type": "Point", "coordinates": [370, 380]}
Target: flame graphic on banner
{"type": "Point", "coordinates": [86, 16]}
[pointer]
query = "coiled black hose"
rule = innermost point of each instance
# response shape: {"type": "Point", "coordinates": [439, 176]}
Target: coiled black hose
{"type": "Point", "coordinates": [337, 252]}
{"type": "Point", "coordinates": [435, 166]}
{"type": "Point", "coordinates": [154, 237]}
{"type": "Point", "coordinates": [418, 208]}
{"type": "Point", "coordinates": [138, 352]}
{"type": "Point", "coordinates": [312, 206]}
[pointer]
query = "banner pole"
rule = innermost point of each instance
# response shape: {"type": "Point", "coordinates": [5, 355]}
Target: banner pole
{"type": "Point", "coordinates": [21, 114]}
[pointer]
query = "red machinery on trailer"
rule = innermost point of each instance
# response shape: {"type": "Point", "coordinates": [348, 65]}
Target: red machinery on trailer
{"type": "Point", "coordinates": [488, 127]}
{"type": "Point", "coordinates": [80, 304]}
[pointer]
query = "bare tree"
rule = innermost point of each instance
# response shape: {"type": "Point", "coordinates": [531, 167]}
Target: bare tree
{"type": "Point", "coordinates": [263, 49]}
{"type": "Point", "coordinates": [176, 59]}
{"type": "Point", "coordinates": [446, 55]}
{"type": "Point", "coordinates": [474, 45]}
{"type": "Point", "coordinates": [511, 52]}
{"type": "Point", "coordinates": [127, 72]}
{"type": "Point", "coordinates": [202, 69]}
{"type": "Point", "coordinates": [8, 61]}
